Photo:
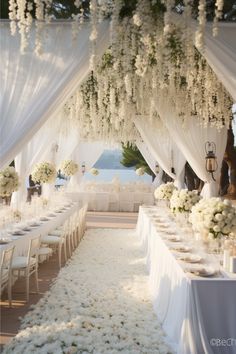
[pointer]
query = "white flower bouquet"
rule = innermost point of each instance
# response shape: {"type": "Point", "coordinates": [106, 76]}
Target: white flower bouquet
{"type": "Point", "coordinates": [44, 172]}
{"type": "Point", "coordinates": [94, 171]}
{"type": "Point", "coordinates": [182, 201]}
{"type": "Point", "coordinates": [140, 171]}
{"type": "Point", "coordinates": [9, 181]}
{"type": "Point", "coordinates": [214, 217]}
{"type": "Point", "coordinates": [165, 191]}
{"type": "Point", "coordinates": [69, 167]}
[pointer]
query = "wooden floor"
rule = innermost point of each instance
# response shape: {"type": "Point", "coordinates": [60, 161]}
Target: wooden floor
{"type": "Point", "coordinates": [9, 317]}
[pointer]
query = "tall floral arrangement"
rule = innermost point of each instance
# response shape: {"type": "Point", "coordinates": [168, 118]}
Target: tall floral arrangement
{"type": "Point", "coordinates": [165, 191]}
{"type": "Point", "coordinates": [140, 171]}
{"type": "Point", "coordinates": [214, 217]}
{"type": "Point", "coordinates": [69, 167]}
{"type": "Point", "coordinates": [183, 200]}
{"type": "Point", "coordinates": [9, 181]}
{"type": "Point", "coordinates": [44, 172]}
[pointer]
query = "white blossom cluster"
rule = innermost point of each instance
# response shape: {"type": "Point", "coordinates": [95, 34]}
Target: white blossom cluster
{"type": "Point", "coordinates": [9, 181]}
{"type": "Point", "coordinates": [94, 171]}
{"type": "Point", "coordinates": [140, 171]}
{"type": "Point", "coordinates": [214, 216]}
{"type": "Point", "coordinates": [96, 305]}
{"type": "Point", "coordinates": [183, 200]}
{"type": "Point", "coordinates": [69, 167]}
{"type": "Point", "coordinates": [44, 172]}
{"type": "Point", "coordinates": [165, 191]}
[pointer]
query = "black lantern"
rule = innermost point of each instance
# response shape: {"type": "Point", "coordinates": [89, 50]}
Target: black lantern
{"type": "Point", "coordinates": [211, 160]}
{"type": "Point", "coordinates": [83, 168]}
{"type": "Point", "coordinates": [157, 169]}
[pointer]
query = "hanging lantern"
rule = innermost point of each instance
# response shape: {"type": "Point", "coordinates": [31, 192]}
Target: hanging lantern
{"type": "Point", "coordinates": [211, 160]}
{"type": "Point", "coordinates": [83, 168]}
{"type": "Point", "coordinates": [157, 169]}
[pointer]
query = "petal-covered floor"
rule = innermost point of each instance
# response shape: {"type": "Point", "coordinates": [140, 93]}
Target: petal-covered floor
{"type": "Point", "coordinates": [100, 303]}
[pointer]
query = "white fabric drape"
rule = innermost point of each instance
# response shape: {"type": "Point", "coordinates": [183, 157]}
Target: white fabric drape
{"type": "Point", "coordinates": [191, 140]}
{"type": "Point", "coordinates": [163, 149]}
{"type": "Point", "coordinates": [33, 88]}
{"type": "Point", "coordinates": [220, 53]}
{"type": "Point", "coordinates": [85, 153]}
{"type": "Point", "coordinates": [53, 143]}
{"type": "Point", "coordinates": [147, 155]}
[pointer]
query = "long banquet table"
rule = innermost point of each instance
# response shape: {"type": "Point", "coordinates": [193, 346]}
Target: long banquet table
{"type": "Point", "coordinates": [21, 243]}
{"type": "Point", "coordinates": [198, 314]}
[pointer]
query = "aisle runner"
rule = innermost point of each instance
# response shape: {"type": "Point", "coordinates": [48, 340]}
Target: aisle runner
{"type": "Point", "coordinates": [99, 303]}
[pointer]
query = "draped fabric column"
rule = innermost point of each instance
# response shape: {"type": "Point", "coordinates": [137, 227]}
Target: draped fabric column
{"type": "Point", "coordinates": [32, 87]}
{"type": "Point", "coordinates": [163, 149]}
{"type": "Point", "coordinates": [86, 153]}
{"type": "Point", "coordinates": [191, 139]}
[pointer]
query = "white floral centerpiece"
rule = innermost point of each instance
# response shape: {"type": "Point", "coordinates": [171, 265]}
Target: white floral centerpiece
{"type": "Point", "coordinates": [214, 218]}
{"type": "Point", "coordinates": [165, 191]}
{"type": "Point", "coordinates": [69, 167]}
{"type": "Point", "coordinates": [140, 171]}
{"type": "Point", "coordinates": [44, 172]}
{"type": "Point", "coordinates": [9, 181]}
{"type": "Point", "coordinates": [94, 171]}
{"type": "Point", "coordinates": [183, 200]}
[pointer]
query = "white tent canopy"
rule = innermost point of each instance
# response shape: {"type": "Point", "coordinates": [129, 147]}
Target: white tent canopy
{"type": "Point", "coordinates": [34, 88]}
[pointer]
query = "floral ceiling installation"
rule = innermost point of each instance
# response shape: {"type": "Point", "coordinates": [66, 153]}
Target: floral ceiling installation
{"type": "Point", "coordinates": [153, 59]}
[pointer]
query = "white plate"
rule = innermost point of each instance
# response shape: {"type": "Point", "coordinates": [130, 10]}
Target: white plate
{"type": "Point", "coordinates": [181, 249]}
{"type": "Point", "coordinates": [190, 258]}
{"type": "Point", "coordinates": [201, 271]}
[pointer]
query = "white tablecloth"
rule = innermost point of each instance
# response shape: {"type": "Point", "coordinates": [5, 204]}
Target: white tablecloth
{"type": "Point", "coordinates": [197, 314]}
{"type": "Point", "coordinates": [22, 243]}
{"type": "Point", "coordinates": [112, 201]}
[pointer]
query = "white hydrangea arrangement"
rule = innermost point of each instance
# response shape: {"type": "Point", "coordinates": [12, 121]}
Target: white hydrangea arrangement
{"type": "Point", "coordinates": [165, 191]}
{"type": "Point", "coordinates": [69, 167]}
{"type": "Point", "coordinates": [140, 171]}
{"type": "Point", "coordinates": [44, 172]}
{"type": "Point", "coordinates": [94, 171]}
{"type": "Point", "coordinates": [9, 181]}
{"type": "Point", "coordinates": [215, 217]}
{"type": "Point", "coordinates": [183, 200]}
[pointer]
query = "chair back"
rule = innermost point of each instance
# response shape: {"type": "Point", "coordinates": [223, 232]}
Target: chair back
{"type": "Point", "coordinates": [5, 270]}
{"type": "Point", "coordinates": [34, 247]}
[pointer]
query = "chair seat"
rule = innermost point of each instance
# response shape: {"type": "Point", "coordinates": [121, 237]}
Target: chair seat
{"type": "Point", "coordinates": [51, 240]}
{"type": "Point", "coordinates": [44, 251]}
{"type": "Point", "coordinates": [21, 262]}
{"type": "Point", "coordinates": [55, 233]}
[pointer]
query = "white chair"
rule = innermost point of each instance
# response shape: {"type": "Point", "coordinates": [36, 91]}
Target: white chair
{"type": "Point", "coordinates": [44, 253]}
{"type": "Point", "coordinates": [57, 241]}
{"type": "Point", "coordinates": [5, 272]}
{"type": "Point", "coordinates": [26, 266]}
{"type": "Point", "coordinates": [126, 201]}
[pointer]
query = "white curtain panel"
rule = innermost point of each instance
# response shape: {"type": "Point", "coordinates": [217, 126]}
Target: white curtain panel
{"type": "Point", "coordinates": [147, 155]}
{"type": "Point", "coordinates": [191, 140]}
{"type": "Point", "coordinates": [87, 153]}
{"type": "Point", "coordinates": [220, 53]}
{"type": "Point", "coordinates": [33, 88]}
{"type": "Point", "coordinates": [163, 149]}
{"type": "Point", "coordinates": [53, 143]}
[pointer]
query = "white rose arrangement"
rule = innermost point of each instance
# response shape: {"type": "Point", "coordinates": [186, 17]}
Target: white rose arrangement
{"type": "Point", "coordinates": [183, 200]}
{"type": "Point", "coordinates": [69, 167]}
{"type": "Point", "coordinates": [9, 181]}
{"type": "Point", "coordinates": [215, 217]}
{"type": "Point", "coordinates": [140, 171]}
{"type": "Point", "coordinates": [44, 172]}
{"type": "Point", "coordinates": [94, 171]}
{"type": "Point", "coordinates": [165, 191]}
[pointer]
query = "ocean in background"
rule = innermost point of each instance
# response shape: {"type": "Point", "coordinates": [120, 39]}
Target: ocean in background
{"type": "Point", "coordinates": [125, 176]}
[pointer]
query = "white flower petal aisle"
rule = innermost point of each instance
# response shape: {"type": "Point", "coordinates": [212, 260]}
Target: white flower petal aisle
{"type": "Point", "coordinates": [100, 303]}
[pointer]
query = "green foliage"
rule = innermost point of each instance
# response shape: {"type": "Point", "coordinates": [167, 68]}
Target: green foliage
{"type": "Point", "coordinates": [132, 157]}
